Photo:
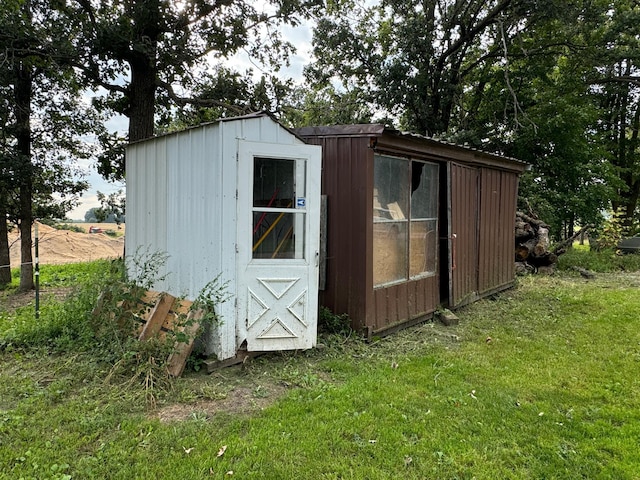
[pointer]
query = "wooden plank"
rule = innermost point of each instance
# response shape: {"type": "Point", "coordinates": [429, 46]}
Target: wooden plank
{"type": "Point", "coordinates": [181, 350]}
{"type": "Point", "coordinates": [242, 357]}
{"type": "Point", "coordinates": [150, 297]}
{"type": "Point", "coordinates": [177, 314]}
{"type": "Point", "coordinates": [157, 317]}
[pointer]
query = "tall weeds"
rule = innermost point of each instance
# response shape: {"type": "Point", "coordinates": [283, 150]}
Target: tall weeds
{"type": "Point", "coordinates": [101, 317]}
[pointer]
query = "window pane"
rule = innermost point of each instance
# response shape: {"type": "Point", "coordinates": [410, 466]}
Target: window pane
{"type": "Point", "coordinates": [423, 247]}
{"type": "Point", "coordinates": [275, 181]}
{"type": "Point", "coordinates": [389, 252]}
{"type": "Point", "coordinates": [391, 188]}
{"type": "Point", "coordinates": [424, 190]}
{"type": "Point", "coordinates": [278, 235]}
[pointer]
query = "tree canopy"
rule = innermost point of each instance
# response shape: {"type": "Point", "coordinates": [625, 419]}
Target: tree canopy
{"type": "Point", "coordinates": [554, 83]}
{"type": "Point", "coordinates": [147, 53]}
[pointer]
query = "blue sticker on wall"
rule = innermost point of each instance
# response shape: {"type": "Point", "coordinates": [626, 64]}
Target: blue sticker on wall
{"type": "Point", "coordinates": [301, 202]}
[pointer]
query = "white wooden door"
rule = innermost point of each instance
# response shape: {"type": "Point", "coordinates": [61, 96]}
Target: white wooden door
{"type": "Point", "coordinates": [278, 242]}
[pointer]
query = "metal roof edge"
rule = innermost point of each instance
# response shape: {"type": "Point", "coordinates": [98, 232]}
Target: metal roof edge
{"type": "Point", "coordinates": [248, 116]}
{"type": "Point", "coordinates": [456, 146]}
{"type": "Point", "coordinates": [474, 155]}
{"type": "Point", "coordinates": [361, 129]}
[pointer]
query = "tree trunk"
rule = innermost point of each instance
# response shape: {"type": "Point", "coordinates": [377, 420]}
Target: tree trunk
{"type": "Point", "coordinates": [142, 98]}
{"type": "Point", "coordinates": [5, 259]}
{"type": "Point", "coordinates": [23, 94]}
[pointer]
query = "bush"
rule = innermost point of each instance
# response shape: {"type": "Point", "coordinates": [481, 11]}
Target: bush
{"type": "Point", "coordinates": [67, 226]}
{"type": "Point", "coordinates": [603, 260]}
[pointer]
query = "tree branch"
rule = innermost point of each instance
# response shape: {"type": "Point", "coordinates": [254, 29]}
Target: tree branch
{"type": "Point", "coordinates": [632, 79]}
{"type": "Point", "coordinates": [202, 102]}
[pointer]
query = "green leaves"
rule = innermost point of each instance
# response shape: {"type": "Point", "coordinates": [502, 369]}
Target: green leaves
{"type": "Point", "coordinates": [553, 83]}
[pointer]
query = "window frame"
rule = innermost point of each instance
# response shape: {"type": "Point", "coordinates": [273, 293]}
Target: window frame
{"type": "Point", "coordinates": [408, 221]}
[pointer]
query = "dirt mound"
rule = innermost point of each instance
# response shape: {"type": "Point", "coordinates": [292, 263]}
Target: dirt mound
{"type": "Point", "coordinates": [64, 246]}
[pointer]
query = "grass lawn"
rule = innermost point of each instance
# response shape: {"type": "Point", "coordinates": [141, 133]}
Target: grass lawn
{"type": "Point", "coordinates": [538, 382]}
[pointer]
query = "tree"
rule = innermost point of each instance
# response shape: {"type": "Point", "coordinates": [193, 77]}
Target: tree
{"type": "Point", "coordinates": [413, 58]}
{"type": "Point", "coordinates": [327, 106]}
{"type": "Point", "coordinates": [148, 51]}
{"type": "Point", "coordinates": [44, 120]}
{"type": "Point", "coordinates": [516, 77]}
{"type": "Point", "coordinates": [90, 215]}
{"type": "Point", "coordinates": [540, 107]}
{"type": "Point", "coordinates": [112, 207]}
{"type": "Point", "coordinates": [235, 94]}
{"type": "Point", "coordinates": [616, 85]}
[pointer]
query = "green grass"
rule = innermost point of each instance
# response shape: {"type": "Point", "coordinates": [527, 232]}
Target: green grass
{"type": "Point", "coordinates": [539, 382]}
{"type": "Point", "coordinates": [607, 260]}
{"type": "Point", "coordinates": [56, 276]}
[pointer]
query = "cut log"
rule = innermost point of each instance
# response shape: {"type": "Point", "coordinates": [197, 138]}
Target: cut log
{"type": "Point", "coordinates": [530, 220]}
{"type": "Point", "coordinates": [543, 260]}
{"type": "Point", "coordinates": [524, 231]}
{"type": "Point", "coordinates": [542, 246]}
{"type": "Point", "coordinates": [532, 245]}
{"type": "Point", "coordinates": [523, 268]}
{"type": "Point", "coordinates": [525, 249]}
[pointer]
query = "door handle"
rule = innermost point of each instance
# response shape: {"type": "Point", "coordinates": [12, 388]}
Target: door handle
{"type": "Point", "coordinates": [317, 257]}
{"type": "Point", "coordinates": [453, 251]}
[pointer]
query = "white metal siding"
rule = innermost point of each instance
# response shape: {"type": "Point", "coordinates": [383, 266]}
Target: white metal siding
{"type": "Point", "coordinates": [146, 203]}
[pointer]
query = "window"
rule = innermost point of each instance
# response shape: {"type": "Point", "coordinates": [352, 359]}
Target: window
{"type": "Point", "coordinates": [405, 216]}
{"type": "Point", "coordinates": [279, 208]}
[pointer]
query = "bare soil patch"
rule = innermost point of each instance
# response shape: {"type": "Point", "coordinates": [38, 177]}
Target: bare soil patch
{"type": "Point", "coordinates": [239, 400]}
{"type": "Point", "coordinates": [64, 246]}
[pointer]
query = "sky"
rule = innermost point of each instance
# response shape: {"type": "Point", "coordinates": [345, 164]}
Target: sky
{"type": "Point", "coordinates": [299, 36]}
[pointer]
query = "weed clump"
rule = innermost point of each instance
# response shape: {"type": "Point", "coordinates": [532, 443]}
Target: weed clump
{"type": "Point", "coordinates": [101, 318]}
{"type": "Point", "coordinates": [331, 323]}
{"type": "Point", "coordinates": [605, 260]}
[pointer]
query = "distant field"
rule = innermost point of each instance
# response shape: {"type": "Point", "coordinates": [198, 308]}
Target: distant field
{"type": "Point", "coordinates": [104, 226]}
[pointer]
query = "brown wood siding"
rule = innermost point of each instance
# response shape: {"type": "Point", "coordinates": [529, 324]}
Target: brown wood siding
{"type": "Point", "coordinates": [497, 213]}
{"type": "Point", "coordinates": [464, 247]}
{"type": "Point", "coordinates": [347, 181]}
{"type": "Point", "coordinates": [479, 210]}
{"type": "Point", "coordinates": [403, 302]}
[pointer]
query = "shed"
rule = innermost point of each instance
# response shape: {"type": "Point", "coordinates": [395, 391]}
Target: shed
{"type": "Point", "coordinates": [412, 223]}
{"type": "Point", "coordinates": [237, 199]}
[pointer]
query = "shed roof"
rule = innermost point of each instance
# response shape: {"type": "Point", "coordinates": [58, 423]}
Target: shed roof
{"type": "Point", "coordinates": [416, 143]}
{"type": "Point", "coordinates": [248, 116]}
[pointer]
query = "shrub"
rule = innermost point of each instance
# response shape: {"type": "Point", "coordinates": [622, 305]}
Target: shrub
{"type": "Point", "coordinates": [602, 260]}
